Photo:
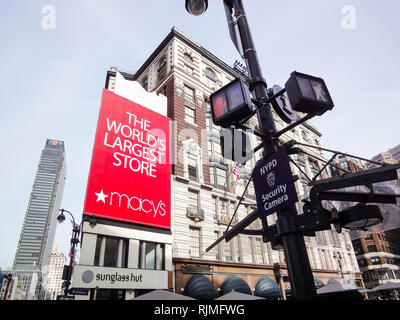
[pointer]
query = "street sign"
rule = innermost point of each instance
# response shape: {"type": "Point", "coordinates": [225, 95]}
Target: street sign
{"type": "Point", "coordinates": [273, 183]}
{"type": "Point", "coordinates": [79, 291]}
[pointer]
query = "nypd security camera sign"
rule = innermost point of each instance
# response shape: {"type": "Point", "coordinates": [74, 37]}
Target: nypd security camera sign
{"type": "Point", "coordinates": [273, 183]}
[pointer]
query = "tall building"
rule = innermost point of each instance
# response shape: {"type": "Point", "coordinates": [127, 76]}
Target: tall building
{"type": "Point", "coordinates": [347, 165]}
{"type": "Point", "coordinates": [205, 191]}
{"type": "Point", "coordinates": [384, 157]}
{"type": "Point", "coordinates": [378, 255]}
{"type": "Point", "coordinates": [52, 281]}
{"type": "Point", "coordinates": [39, 227]}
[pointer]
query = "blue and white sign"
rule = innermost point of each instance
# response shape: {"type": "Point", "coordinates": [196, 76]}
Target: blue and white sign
{"type": "Point", "coordinates": [273, 183]}
{"type": "Point", "coordinates": [79, 291]}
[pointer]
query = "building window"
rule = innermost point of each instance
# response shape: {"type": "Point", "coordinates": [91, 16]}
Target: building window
{"type": "Point", "coordinates": [189, 94]}
{"type": "Point", "coordinates": [188, 58]}
{"type": "Point", "coordinates": [194, 242]}
{"type": "Point", "coordinates": [215, 207]}
{"type": "Point", "coordinates": [211, 78]}
{"type": "Point", "coordinates": [190, 107]}
{"type": "Point", "coordinates": [192, 170]}
{"type": "Point", "coordinates": [151, 256]}
{"type": "Point", "coordinates": [362, 262]}
{"type": "Point", "coordinates": [208, 106]}
{"type": "Point", "coordinates": [145, 84]}
{"type": "Point", "coordinates": [111, 252]}
{"type": "Point", "coordinates": [368, 237]}
{"type": "Point", "coordinates": [209, 127]}
{"type": "Point", "coordinates": [223, 210]}
{"type": "Point", "coordinates": [375, 260]}
{"type": "Point", "coordinates": [188, 70]}
{"type": "Point", "coordinates": [305, 136]}
{"type": "Point", "coordinates": [222, 177]}
{"type": "Point", "coordinates": [344, 165]}
{"type": "Point", "coordinates": [190, 114]}
{"type": "Point", "coordinates": [358, 249]}
{"type": "Point", "coordinates": [162, 68]}
{"type": "Point", "coordinates": [260, 257]}
{"type": "Point", "coordinates": [228, 252]}
{"type": "Point", "coordinates": [188, 65]}
{"type": "Point", "coordinates": [372, 248]}
{"type": "Point", "coordinates": [193, 199]}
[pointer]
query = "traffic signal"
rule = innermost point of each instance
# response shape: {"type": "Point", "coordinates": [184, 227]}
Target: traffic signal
{"type": "Point", "coordinates": [308, 94]}
{"type": "Point", "coordinates": [231, 104]}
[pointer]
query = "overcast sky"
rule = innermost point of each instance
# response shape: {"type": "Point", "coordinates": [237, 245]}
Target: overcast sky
{"type": "Point", "coordinates": [53, 77]}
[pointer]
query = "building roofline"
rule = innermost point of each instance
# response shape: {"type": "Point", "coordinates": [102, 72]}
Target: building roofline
{"type": "Point", "coordinates": [312, 128]}
{"type": "Point", "coordinates": [176, 33]}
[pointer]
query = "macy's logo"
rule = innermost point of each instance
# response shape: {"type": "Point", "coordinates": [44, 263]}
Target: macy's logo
{"type": "Point", "coordinates": [132, 203]}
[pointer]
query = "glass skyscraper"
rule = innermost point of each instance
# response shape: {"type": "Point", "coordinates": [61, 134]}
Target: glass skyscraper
{"type": "Point", "coordinates": [38, 231]}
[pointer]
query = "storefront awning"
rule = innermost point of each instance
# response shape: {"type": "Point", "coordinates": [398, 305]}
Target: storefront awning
{"type": "Point", "coordinates": [234, 283]}
{"type": "Point", "coordinates": [199, 287]}
{"type": "Point", "coordinates": [267, 288]}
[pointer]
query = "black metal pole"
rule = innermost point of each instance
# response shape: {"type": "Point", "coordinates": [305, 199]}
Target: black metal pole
{"type": "Point", "coordinates": [74, 242]}
{"type": "Point", "coordinates": [298, 264]}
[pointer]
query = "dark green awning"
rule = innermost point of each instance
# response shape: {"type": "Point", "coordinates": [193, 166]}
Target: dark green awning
{"type": "Point", "coordinates": [267, 288]}
{"type": "Point", "coordinates": [234, 283]}
{"type": "Point", "coordinates": [199, 287]}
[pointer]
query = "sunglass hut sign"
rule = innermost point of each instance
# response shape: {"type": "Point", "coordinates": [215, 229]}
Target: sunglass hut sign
{"type": "Point", "coordinates": [273, 183]}
{"type": "Point", "coordinates": [112, 278]}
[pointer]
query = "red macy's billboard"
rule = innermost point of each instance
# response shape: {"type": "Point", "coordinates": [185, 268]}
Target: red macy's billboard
{"type": "Point", "coordinates": [130, 175]}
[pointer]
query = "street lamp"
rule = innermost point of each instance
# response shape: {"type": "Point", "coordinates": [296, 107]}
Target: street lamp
{"type": "Point", "coordinates": [196, 7]}
{"type": "Point", "coordinates": [76, 229]}
{"type": "Point", "coordinates": [67, 274]}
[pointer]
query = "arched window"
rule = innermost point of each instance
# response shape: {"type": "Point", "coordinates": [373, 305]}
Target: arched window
{"type": "Point", "coordinates": [211, 78]}
{"type": "Point", "coordinates": [188, 58]}
{"type": "Point", "coordinates": [162, 68]}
